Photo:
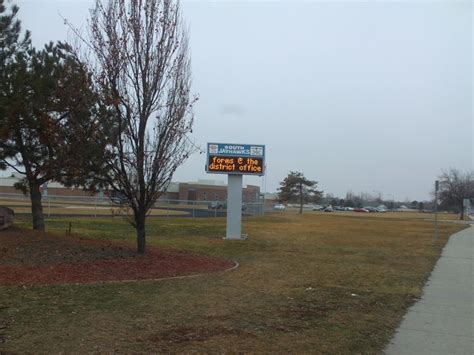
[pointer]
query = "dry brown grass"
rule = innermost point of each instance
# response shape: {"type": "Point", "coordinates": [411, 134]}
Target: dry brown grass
{"type": "Point", "coordinates": [316, 283]}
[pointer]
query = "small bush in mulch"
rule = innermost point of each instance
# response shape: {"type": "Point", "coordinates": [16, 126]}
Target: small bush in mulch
{"type": "Point", "coordinates": [28, 257]}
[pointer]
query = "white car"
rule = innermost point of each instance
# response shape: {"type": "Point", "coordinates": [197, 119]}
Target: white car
{"type": "Point", "coordinates": [279, 207]}
{"type": "Point", "coordinates": [329, 209]}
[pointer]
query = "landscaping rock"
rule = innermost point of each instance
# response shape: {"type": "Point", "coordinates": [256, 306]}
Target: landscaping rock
{"type": "Point", "coordinates": [6, 217]}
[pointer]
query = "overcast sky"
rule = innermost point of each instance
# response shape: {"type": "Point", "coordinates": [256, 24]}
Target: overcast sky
{"type": "Point", "coordinates": [365, 96]}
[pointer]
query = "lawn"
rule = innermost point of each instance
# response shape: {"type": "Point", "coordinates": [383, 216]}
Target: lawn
{"type": "Point", "coordinates": [318, 283]}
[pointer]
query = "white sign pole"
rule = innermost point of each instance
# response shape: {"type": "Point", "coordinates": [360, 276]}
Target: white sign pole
{"type": "Point", "coordinates": [234, 207]}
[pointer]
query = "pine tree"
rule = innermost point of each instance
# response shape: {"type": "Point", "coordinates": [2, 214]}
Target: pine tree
{"type": "Point", "coordinates": [295, 187]}
{"type": "Point", "coordinates": [46, 111]}
{"type": "Point", "coordinates": [10, 43]}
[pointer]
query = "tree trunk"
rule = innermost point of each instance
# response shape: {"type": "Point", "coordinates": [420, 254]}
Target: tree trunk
{"type": "Point", "coordinates": [461, 217]}
{"type": "Point", "coordinates": [36, 207]}
{"type": "Point", "coordinates": [140, 226]}
{"type": "Point", "coordinates": [301, 198]}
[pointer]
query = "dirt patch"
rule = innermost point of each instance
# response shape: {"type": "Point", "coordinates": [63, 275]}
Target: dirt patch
{"type": "Point", "coordinates": [28, 257]}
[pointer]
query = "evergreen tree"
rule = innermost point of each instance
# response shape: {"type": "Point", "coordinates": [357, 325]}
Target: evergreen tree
{"type": "Point", "coordinates": [10, 44]}
{"type": "Point", "coordinates": [46, 105]}
{"type": "Point", "coordinates": [295, 187]}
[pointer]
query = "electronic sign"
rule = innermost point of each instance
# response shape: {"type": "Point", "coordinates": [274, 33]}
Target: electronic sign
{"type": "Point", "coordinates": [224, 158]}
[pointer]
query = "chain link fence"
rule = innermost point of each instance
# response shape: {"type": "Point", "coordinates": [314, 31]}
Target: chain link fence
{"type": "Point", "coordinates": [97, 206]}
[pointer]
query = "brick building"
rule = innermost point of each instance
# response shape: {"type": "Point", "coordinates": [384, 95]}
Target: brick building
{"type": "Point", "coordinates": [210, 190]}
{"type": "Point", "coordinates": [202, 190]}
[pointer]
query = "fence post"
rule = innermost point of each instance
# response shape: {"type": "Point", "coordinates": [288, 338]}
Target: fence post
{"type": "Point", "coordinates": [49, 206]}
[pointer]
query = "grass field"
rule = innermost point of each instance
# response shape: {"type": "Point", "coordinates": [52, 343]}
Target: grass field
{"type": "Point", "coordinates": [316, 283]}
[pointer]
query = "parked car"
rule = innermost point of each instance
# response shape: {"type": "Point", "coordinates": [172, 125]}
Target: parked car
{"type": "Point", "coordinates": [118, 197]}
{"type": "Point", "coordinates": [318, 208]}
{"type": "Point", "coordinates": [361, 210]}
{"type": "Point", "coordinates": [217, 205]}
{"type": "Point", "coordinates": [371, 209]}
{"type": "Point", "coordinates": [348, 209]}
{"type": "Point", "coordinates": [329, 209]}
{"type": "Point", "coordinates": [279, 207]}
{"type": "Point", "coordinates": [222, 205]}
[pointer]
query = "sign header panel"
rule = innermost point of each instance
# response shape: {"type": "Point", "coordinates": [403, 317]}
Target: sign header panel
{"type": "Point", "coordinates": [226, 158]}
{"type": "Point", "coordinates": [243, 150]}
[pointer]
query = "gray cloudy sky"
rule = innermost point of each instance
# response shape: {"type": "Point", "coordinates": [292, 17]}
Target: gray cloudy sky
{"type": "Point", "coordinates": [362, 96]}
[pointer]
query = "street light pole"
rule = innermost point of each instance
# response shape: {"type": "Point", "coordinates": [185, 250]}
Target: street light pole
{"type": "Point", "coordinates": [436, 234]}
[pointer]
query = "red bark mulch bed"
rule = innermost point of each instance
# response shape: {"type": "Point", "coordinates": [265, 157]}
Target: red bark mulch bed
{"type": "Point", "coordinates": [30, 258]}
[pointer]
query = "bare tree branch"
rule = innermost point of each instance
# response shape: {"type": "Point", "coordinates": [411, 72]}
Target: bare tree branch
{"type": "Point", "coordinates": [139, 53]}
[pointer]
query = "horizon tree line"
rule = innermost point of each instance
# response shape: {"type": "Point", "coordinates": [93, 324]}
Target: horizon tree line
{"type": "Point", "coordinates": [455, 187]}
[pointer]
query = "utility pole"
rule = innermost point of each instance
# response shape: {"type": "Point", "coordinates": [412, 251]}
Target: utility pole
{"type": "Point", "coordinates": [436, 233]}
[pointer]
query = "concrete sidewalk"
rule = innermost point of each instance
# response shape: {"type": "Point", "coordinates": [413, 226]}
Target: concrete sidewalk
{"type": "Point", "coordinates": [442, 321]}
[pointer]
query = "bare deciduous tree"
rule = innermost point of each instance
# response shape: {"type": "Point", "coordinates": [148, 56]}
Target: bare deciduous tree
{"type": "Point", "coordinates": [454, 187]}
{"type": "Point", "coordinates": [139, 54]}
